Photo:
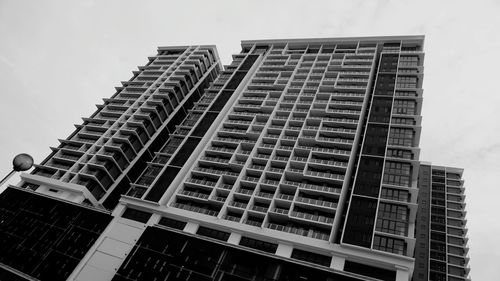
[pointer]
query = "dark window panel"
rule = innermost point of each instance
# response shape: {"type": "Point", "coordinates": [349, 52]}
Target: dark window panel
{"type": "Point", "coordinates": [136, 215]}
{"type": "Point", "coordinates": [360, 221]}
{"type": "Point", "coordinates": [381, 110]}
{"type": "Point", "coordinates": [172, 223]}
{"type": "Point", "coordinates": [371, 271]}
{"type": "Point", "coordinates": [369, 176]}
{"type": "Point", "coordinates": [221, 101]}
{"type": "Point", "coordinates": [185, 151]}
{"type": "Point", "coordinates": [311, 257]}
{"type": "Point", "coordinates": [213, 233]}
{"type": "Point", "coordinates": [204, 124]}
{"type": "Point", "coordinates": [258, 244]}
{"type": "Point", "coordinates": [162, 183]}
{"type": "Point", "coordinates": [182, 257]}
{"type": "Point", "coordinates": [375, 141]}
{"type": "Point", "coordinates": [45, 238]}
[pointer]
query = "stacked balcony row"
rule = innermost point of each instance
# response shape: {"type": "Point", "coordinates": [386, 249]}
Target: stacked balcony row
{"type": "Point", "coordinates": [102, 149]}
{"type": "Point", "coordinates": [279, 158]}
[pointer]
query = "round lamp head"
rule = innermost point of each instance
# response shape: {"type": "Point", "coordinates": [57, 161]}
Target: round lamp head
{"type": "Point", "coordinates": [22, 162]}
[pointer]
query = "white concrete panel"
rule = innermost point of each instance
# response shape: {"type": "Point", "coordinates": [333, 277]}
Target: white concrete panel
{"type": "Point", "coordinates": [191, 227]}
{"type": "Point", "coordinates": [402, 273]}
{"type": "Point", "coordinates": [125, 232]}
{"type": "Point", "coordinates": [105, 262]}
{"type": "Point", "coordinates": [91, 273]}
{"type": "Point", "coordinates": [114, 247]}
{"type": "Point", "coordinates": [234, 238]}
{"type": "Point", "coordinates": [284, 250]}
{"type": "Point", "coordinates": [338, 262]}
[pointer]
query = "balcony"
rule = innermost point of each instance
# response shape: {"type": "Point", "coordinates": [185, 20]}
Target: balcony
{"type": "Point", "coordinates": [317, 202]}
{"type": "Point", "coordinates": [238, 204]}
{"type": "Point", "coordinates": [194, 194]}
{"type": "Point", "coordinates": [311, 217]}
{"type": "Point", "coordinates": [201, 182]}
{"type": "Point", "coordinates": [195, 209]}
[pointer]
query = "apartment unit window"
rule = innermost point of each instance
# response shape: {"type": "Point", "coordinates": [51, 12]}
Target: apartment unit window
{"type": "Point", "coordinates": [401, 137]}
{"type": "Point", "coordinates": [31, 186]}
{"type": "Point", "coordinates": [213, 233]}
{"type": "Point", "coordinates": [136, 215]}
{"type": "Point", "coordinates": [404, 107]}
{"type": "Point", "coordinates": [392, 226]}
{"type": "Point", "coordinates": [406, 93]}
{"type": "Point", "coordinates": [392, 219]}
{"type": "Point", "coordinates": [403, 121]}
{"type": "Point", "coordinates": [437, 276]}
{"type": "Point", "coordinates": [438, 266]}
{"type": "Point", "coordinates": [172, 223]}
{"type": "Point", "coordinates": [397, 173]}
{"type": "Point", "coordinates": [258, 244]}
{"type": "Point", "coordinates": [394, 194]}
{"type": "Point", "coordinates": [368, 270]}
{"type": "Point", "coordinates": [407, 82]}
{"type": "Point", "coordinates": [311, 257]}
{"type": "Point", "coordinates": [390, 245]}
{"type": "Point", "coordinates": [399, 153]}
{"type": "Point", "coordinates": [408, 61]}
{"type": "Point", "coordinates": [393, 211]}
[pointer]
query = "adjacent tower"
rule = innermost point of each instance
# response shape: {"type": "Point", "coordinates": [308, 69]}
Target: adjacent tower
{"type": "Point", "coordinates": [441, 252]}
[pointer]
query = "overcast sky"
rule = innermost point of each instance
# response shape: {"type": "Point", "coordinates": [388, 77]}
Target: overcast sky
{"type": "Point", "coordinates": [60, 58]}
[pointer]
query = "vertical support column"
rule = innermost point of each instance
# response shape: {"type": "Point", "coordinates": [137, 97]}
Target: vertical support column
{"type": "Point", "coordinates": [338, 262]}
{"type": "Point", "coordinates": [234, 238]}
{"type": "Point", "coordinates": [108, 253]}
{"type": "Point", "coordinates": [191, 227]}
{"type": "Point", "coordinates": [284, 250]}
{"type": "Point", "coordinates": [402, 273]}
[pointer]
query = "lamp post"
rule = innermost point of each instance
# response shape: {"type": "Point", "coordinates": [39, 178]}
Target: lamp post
{"type": "Point", "coordinates": [21, 162]}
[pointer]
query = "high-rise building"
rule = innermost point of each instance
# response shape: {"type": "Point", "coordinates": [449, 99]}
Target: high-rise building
{"type": "Point", "coordinates": [441, 249]}
{"type": "Point", "coordinates": [299, 161]}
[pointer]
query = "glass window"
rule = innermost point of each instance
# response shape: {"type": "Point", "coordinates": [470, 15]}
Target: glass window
{"type": "Point", "coordinates": [396, 173]}
{"type": "Point", "coordinates": [401, 137]}
{"type": "Point", "coordinates": [390, 245]}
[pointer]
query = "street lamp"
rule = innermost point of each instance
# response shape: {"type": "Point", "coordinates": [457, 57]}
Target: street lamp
{"type": "Point", "coordinates": [21, 162]}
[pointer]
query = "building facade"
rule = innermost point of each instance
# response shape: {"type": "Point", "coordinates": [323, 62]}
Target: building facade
{"type": "Point", "coordinates": [299, 161]}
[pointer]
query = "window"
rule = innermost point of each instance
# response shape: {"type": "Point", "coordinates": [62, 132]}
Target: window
{"type": "Point", "coordinates": [311, 257]}
{"type": "Point", "coordinates": [438, 266]}
{"type": "Point", "coordinates": [397, 173]}
{"type": "Point", "coordinates": [259, 245]}
{"type": "Point", "coordinates": [172, 223]}
{"type": "Point", "coordinates": [407, 82]}
{"type": "Point", "coordinates": [404, 107]}
{"type": "Point", "coordinates": [394, 194]}
{"type": "Point", "coordinates": [31, 186]}
{"type": "Point", "coordinates": [393, 211]}
{"type": "Point", "coordinates": [401, 137]}
{"type": "Point", "coordinates": [136, 215]}
{"type": "Point", "coordinates": [212, 233]}
{"type": "Point", "coordinates": [399, 153]}
{"type": "Point", "coordinates": [408, 61]}
{"type": "Point", "coordinates": [390, 245]}
{"type": "Point", "coordinates": [392, 226]}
